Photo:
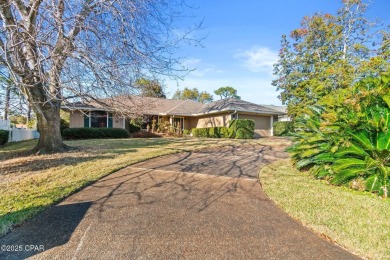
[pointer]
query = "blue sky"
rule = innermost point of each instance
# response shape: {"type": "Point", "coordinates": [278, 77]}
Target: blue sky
{"type": "Point", "coordinates": [243, 39]}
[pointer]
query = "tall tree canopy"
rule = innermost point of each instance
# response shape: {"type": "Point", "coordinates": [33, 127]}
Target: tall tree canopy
{"type": "Point", "coordinates": [87, 49]}
{"type": "Point", "coordinates": [327, 53]}
{"type": "Point", "coordinates": [227, 92]}
{"type": "Point", "coordinates": [150, 88]}
{"type": "Point", "coordinates": [193, 94]}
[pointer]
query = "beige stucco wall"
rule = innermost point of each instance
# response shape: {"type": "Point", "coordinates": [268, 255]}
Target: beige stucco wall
{"type": "Point", "coordinates": [262, 123]}
{"type": "Point", "coordinates": [211, 121]}
{"type": "Point", "coordinates": [76, 119]}
{"type": "Point", "coordinates": [117, 122]}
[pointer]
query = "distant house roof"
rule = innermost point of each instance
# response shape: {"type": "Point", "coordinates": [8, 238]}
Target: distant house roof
{"type": "Point", "coordinates": [159, 106]}
{"type": "Point", "coordinates": [282, 109]}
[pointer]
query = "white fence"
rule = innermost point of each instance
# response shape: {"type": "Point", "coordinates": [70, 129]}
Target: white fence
{"type": "Point", "coordinates": [5, 124]}
{"type": "Point", "coordinates": [16, 134]}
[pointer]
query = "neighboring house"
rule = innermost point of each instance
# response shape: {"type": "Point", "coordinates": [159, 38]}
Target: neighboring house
{"type": "Point", "coordinates": [188, 114]}
{"type": "Point", "coordinates": [282, 109]}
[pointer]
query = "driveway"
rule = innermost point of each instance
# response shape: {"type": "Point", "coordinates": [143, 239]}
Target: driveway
{"type": "Point", "coordinates": [206, 204]}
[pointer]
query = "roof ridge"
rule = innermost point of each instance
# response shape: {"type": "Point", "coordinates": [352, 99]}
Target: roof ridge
{"type": "Point", "coordinates": [181, 103]}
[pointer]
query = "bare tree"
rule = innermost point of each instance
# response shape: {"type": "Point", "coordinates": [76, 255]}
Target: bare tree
{"type": "Point", "coordinates": [58, 49]}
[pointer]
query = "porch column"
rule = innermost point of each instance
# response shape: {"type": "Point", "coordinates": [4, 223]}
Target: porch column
{"type": "Point", "coordinates": [272, 125]}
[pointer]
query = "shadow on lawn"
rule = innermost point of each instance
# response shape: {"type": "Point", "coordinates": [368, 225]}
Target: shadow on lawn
{"type": "Point", "coordinates": [44, 163]}
{"type": "Point", "coordinates": [49, 229]}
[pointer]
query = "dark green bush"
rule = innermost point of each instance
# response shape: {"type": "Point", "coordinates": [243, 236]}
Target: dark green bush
{"type": "Point", "coordinates": [242, 128]}
{"type": "Point", "coordinates": [134, 128]}
{"type": "Point", "coordinates": [94, 133]}
{"type": "Point", "coordinates": [114, 133]}
{"type": "Point", "coordinates": [4, 134]}
{"type": "Point", "coordinates": [283, 128]}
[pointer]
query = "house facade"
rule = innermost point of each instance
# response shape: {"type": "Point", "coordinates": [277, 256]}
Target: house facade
{"type": "Point", "coordinates": [186, 114]}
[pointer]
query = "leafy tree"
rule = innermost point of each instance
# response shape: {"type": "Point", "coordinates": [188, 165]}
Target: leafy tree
{"type": "Point", "coordinates": [150, 88]}
{"type": "Point", "coordinates": [58, 50]}
{"type": "Point", "coordinates": [349, 138]}
{"type": "Point", "coordinates": [227, 92]}
{"type": "Point", "coordinates": [329, 52]}
{"type": "Point", "coordinates": [193, 94]}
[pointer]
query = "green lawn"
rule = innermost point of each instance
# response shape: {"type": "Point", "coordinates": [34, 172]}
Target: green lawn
{"type": "Point", "coordinates": [29, 183]}
{"type": "Point", "coordinates": [356, 220]}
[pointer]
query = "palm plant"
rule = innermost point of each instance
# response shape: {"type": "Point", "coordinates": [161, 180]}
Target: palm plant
{"type": "Point", "coordinates": [314, 142]}
{"type": "Point", "coordinates": [367, 155]}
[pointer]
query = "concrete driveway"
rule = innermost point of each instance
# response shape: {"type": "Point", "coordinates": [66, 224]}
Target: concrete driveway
{"type": "Point", "coordinates": [201, 205]}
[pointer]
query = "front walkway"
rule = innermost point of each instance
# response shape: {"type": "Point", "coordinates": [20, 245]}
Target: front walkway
{"type": "Point", "coordinates": [201, 205]}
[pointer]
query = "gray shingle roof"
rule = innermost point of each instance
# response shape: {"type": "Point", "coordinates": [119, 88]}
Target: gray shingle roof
{"type": "Point", "coordinates": [159, 106]}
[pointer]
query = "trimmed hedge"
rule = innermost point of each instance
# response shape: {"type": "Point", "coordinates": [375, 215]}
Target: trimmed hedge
{"type": "Point", "coordinates": [283, 128]}
{"type": "Point", "coordinates": [94, 133]}
{"type": "Point", "coordinates": [242, 128]}
{"type": "Point", "coordinates": [4, 134]}
{"type": "Point", "coordinates": [211, 132]}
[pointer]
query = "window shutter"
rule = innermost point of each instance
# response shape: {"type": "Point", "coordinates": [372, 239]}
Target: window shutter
{"type": "Point", "coordinates": [86, 120]}
{"type": "Point", "coordinates": [109, 120]}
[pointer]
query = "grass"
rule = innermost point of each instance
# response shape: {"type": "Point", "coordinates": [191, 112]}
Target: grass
{"type": "Point", "coordinates": [358, 221]}
{"type": "Point", "coordinates": [30, 183]}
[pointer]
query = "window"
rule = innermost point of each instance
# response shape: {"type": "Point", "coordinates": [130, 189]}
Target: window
{"type": "Point", "coordinates": [98, 119]}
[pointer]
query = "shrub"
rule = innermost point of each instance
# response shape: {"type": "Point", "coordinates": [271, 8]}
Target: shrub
{"type": "Point", "coordinates": [211, 132]}
{"type": "Point", "coordinates": [145, 134]}
{"type": "Point", "coordinates": [242, 128]}
{"type": "Point", "coordinates": [200, 132]}
{"type": "Point", "coordinates": [186, 132]}
{"type": "Point", "coordinates": [134, 128]}
{"type": "Point", "coordinates": [114, 133]}
{"type": "Point", "coordinates": [94, 133]}
{"type": "Point", "coordinates": [214, 132]}
{"type": "Point", "coordinates": [283, 128]}
{"type": "Point", "coordinates": [4, 134]}
{"type": "Point", "coordinates": [225, 132]}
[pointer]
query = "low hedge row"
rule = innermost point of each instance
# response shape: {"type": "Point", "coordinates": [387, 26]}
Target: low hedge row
{"type": "Point", "coordinates": [238, 128]}
{"type": "Point", "coordinates": [94, 133]}
{"type": "Point", "coordinates": [4, 134]}
{"type": "Point", "coordinates": [211, 132]}
{"type": "Point", "coordinates": [283, 128]}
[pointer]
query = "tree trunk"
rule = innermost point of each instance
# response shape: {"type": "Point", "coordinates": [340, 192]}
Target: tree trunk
{"type": "Point", "coordinates": [49, 121]}
{"type": "Point", "coordinates": [28, 112]}
{"type": "Point", "coordinates": [7, 100]}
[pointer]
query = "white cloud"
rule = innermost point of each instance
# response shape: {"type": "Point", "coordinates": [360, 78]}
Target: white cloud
{"type": "Point", "coordinates": [258, 59]}
{"type": "Point", "coordinates": [199, 69]}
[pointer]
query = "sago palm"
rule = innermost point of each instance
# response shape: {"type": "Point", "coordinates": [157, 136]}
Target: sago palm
{"type": "Point", "coordinates": [367, 155]}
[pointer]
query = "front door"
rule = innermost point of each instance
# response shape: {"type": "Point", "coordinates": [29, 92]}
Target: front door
{"type": "Point", "coordinates": [178, 122]}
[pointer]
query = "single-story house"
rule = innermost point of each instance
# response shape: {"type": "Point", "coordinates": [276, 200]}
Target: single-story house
{"type": "Point", "coordinates": [187, 114]}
